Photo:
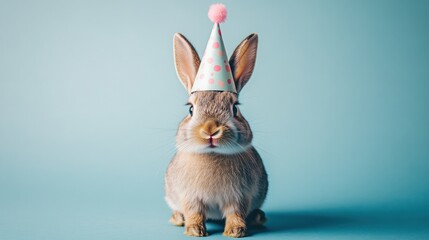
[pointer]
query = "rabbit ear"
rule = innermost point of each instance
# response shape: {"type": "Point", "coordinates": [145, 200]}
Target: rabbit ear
{"type": "Point", "coordinates": [186, 61]}
{"type": "Point", "coordinates": [242, 61]}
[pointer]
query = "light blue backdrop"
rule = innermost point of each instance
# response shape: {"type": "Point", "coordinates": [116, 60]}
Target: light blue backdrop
{"type": "Point", "coordinates": [89, 104]}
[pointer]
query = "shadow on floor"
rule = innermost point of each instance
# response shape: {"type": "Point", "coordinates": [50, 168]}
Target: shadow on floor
{"type": "Point", "coordinates": [303, 221]}
{"type": "Point", "coordinates": [346, 221]}
{"type": "Point", "coordinates": [350, 221]}
{"type": "Point", "coordinates": [215, 226]}
{"type": "Point", "coordinates": [289, 221]}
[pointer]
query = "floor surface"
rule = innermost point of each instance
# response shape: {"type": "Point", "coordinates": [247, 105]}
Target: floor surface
{"type": "Point", "coordinates": [94, 221]}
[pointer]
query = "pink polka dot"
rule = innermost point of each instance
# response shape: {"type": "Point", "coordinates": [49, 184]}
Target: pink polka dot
{"type": "Point", "coordinates": [229, 81]}
{"type": "Point", "coordinates": [211, 74]}
{"type": "Point", "coordinates": [220, 83]}
{"type": "Point", "coordinates": [220, 53]}
{"type": "Point", "coordinates": [216, 44]}
{"type": "Point", "coordinates": [209, 60]}
{"type": "Point", "coordinates": [201, 76]}
{"type": "Point", "coordinates": [218, 30]}
{"type": "Point", "coordinates": [211, 80]}
{"type": "Point", "coordinates": [227, 68]}
{"type": "Point", "coordinates": [217, 68]}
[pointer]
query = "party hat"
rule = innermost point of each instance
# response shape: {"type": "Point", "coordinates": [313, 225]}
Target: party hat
{"type": "Point", "coordinates": [214, 73]}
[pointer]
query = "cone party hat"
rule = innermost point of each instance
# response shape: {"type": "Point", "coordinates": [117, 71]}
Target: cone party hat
{"type": "Point", "coordinates": [214, 73]}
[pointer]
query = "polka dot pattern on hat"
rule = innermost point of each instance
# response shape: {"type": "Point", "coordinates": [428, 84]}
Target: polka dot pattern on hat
{"type": "Point", "coordinates": [214, 73]}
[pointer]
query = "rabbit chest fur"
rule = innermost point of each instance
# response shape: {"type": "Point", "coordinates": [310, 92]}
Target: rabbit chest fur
{"type": "Point", "coordinates": [218, 182]}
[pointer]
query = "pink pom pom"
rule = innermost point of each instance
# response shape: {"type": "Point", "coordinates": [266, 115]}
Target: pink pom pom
{"type": "Point", "coordinates": [217, 13]}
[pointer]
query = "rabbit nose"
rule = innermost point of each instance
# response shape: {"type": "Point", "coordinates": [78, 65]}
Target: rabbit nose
{"type": "Point", "coordinates": [211, 130]}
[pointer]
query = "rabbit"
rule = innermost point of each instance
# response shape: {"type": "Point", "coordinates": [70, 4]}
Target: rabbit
{"type": "Point", "coordinates": [215, 173]}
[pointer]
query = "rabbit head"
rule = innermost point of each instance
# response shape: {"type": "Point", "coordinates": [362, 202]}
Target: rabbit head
{"type": "Point", "coordinates": [214, 123]}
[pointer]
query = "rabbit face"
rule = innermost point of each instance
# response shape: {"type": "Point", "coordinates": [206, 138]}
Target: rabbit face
{"type": "Point", "coordinates": [214, 125]}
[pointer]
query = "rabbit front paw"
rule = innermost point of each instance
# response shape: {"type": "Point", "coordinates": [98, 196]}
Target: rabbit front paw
{"type": "Point", "coordinates": [196, 230]}
{"type": "Point", "coordinates": [235, 226]}
{"type": "Point", "coordinates": [235, 231]}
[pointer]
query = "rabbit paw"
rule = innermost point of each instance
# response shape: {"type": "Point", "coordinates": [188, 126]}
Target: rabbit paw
{"type": "Point", "coordinates": [196, 230]}
{"type": "Point", "coordinates": [256, 218]}
{"type": "Point", "coordinates": [235, 231]}
{"type": "Point", "coordinates": [177, 219]}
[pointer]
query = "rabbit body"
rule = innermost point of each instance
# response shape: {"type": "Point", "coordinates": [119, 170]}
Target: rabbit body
{"type": "Point", "coordinates": [216, 173]}
{"type": "Point", "coordinates": [219, 183]}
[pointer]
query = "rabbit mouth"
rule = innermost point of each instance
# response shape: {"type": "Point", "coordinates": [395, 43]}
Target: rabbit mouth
{"type": "Point", "coordinates": [213, 142]}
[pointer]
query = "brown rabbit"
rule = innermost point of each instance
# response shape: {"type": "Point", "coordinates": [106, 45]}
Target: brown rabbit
{"type": "Point", "coordinates": [216, 173]}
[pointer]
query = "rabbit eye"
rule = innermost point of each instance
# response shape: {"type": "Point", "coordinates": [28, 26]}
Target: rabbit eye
{"type": "Point", "coordinates": [191, 110]}
{"type": "Point", "coordinates": [234, 110]}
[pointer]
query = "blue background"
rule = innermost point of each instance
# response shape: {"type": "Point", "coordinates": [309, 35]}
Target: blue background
{"type": "Point", "coordinates": [90, 102]}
